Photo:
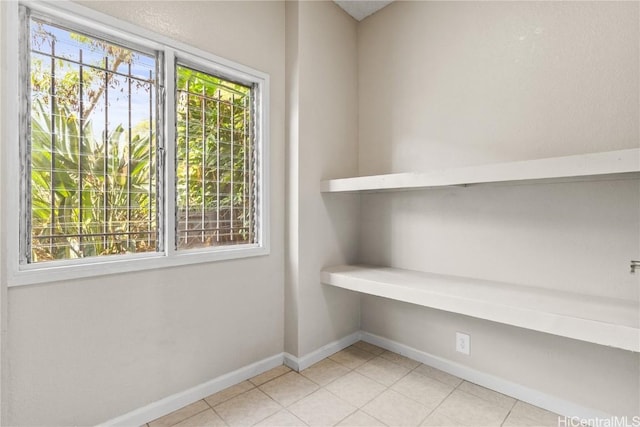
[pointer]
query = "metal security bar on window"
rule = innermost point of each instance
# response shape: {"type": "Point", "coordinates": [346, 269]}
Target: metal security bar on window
{"type": "Point", "coordinates": [215, 161]}
{"type": "Point", "coordinates": [92, 180]}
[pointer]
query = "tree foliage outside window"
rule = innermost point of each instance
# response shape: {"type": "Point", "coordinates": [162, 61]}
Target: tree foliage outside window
{"type": "Point", "coordinates": [93, 187]}
{"type": "Point", "coordinates": [215, 161]}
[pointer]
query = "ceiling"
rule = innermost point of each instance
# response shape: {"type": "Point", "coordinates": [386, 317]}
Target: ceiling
{"type": "Point", "coordinates": [360, 9]}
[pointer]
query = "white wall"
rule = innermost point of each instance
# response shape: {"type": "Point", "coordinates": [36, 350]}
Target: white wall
{"type": "Point", "coordinates": [85, 351]}
{"type": "Point", "coordinates": [459, 83]}
{"type": "Point", "coordinates": [322, 109]}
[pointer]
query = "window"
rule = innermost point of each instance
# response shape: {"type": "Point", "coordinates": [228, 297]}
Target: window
{"type": "Point", "coordinates": [135, 151]}
{"type": "Point", "coordinates": [215, 170]}
{"type": "Point", "coordinates": [92, 157]}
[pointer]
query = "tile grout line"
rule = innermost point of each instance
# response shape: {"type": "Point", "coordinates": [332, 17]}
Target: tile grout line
{"type": "Point", "coordinates": [324, 387]}
{"type": "Point", "coordinates": [320, 387]}
{"type": "Point", "coordinates": [486, 400]}
{"type": "Point", "coordinates": [295, 401]}
{"type": "Point", "coordinates": [387, 387]}
{"type": "Point", "coordinates": [348, 415]}
{"type": "Point", "coordinates": [226, 400]}
{"type": "Point", "coordinates": [254, 387]}
{"type": "Point", "coordinates": [359, 408]}
{"type": "Point", "coordinates": [371, 415]}
{"type": "Point", "coordinates": [374, 356]}
{"type": "Point", "coordinates": [439, 404]}
{"type": "Point", "coordinates": [335, 379]}
{"type": "Point", "coordinates": [277, 403]}
{"type": "Point", "coordinates": [220, 415]}
{"type": "Point", "coordinates": [268, 381]}
{"type": "Point", "coordinates": [351, 370]}
{"type": "Point", "coordinates": [375, 418]}
{"type": "Point", "coordinates": [296, 417]}
{"type": "Point", "coordinates": [417, 401]}
{"type": "Point", "coordinates": [509, 413]}
{"type": "Point", "coordinates": [191, 416]}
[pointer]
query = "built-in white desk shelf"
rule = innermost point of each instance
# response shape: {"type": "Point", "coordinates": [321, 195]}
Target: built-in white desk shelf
{"type": "Point", "coordinates": [606, 321]}
{"type": "Point", "coordinates": [595, 166]}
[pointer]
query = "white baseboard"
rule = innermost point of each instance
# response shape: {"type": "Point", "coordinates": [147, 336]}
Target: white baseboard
{"type": "Point", "coordinates": [300, 363]}
{"type": "Point", "coordinates": [528, 395]}
{"type": "Point", "coordinates": [176, 401]}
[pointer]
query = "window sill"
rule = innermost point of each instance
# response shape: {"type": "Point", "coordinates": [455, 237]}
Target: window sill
{"type": "Point", "coordinates": [62, 271]}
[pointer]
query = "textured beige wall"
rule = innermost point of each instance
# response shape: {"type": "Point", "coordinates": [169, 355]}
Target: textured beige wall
{"type": "Point", "coordinates": [85, 351]}
{"type": "Point", "coordinates": [323, 144]}
{"type": "Point", "coordinates": [292, 142]}
{"type": "Point", "coordinates": [4, 61]}
{"type": "Point", "coordinates": [434, 84]}
{"type": "Point", "coordinates": [459, 83]}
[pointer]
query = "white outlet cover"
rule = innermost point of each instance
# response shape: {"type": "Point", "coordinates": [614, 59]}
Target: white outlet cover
{"type": "Point", "coordinates": [463, 343]}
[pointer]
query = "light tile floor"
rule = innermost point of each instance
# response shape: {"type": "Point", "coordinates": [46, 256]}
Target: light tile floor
{"type": "Point", "coordinates": [363, 385]}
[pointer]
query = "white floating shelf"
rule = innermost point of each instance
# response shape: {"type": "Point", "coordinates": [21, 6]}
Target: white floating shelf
{"type": "Point", "coordinates": [595, 166]}
{"type": "Point", "coordinates": [606, 321]}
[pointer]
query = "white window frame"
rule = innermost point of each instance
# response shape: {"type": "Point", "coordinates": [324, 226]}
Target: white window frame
{"type": "Point", "coordinates": [172, 51]}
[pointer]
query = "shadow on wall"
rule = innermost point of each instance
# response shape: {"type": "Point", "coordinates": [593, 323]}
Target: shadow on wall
{"type": "Point", "coordinates": [568, 236]}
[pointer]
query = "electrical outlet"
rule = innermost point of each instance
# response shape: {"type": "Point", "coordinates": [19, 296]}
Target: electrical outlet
{"type": "Point", "coordinates": [463, 343]}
